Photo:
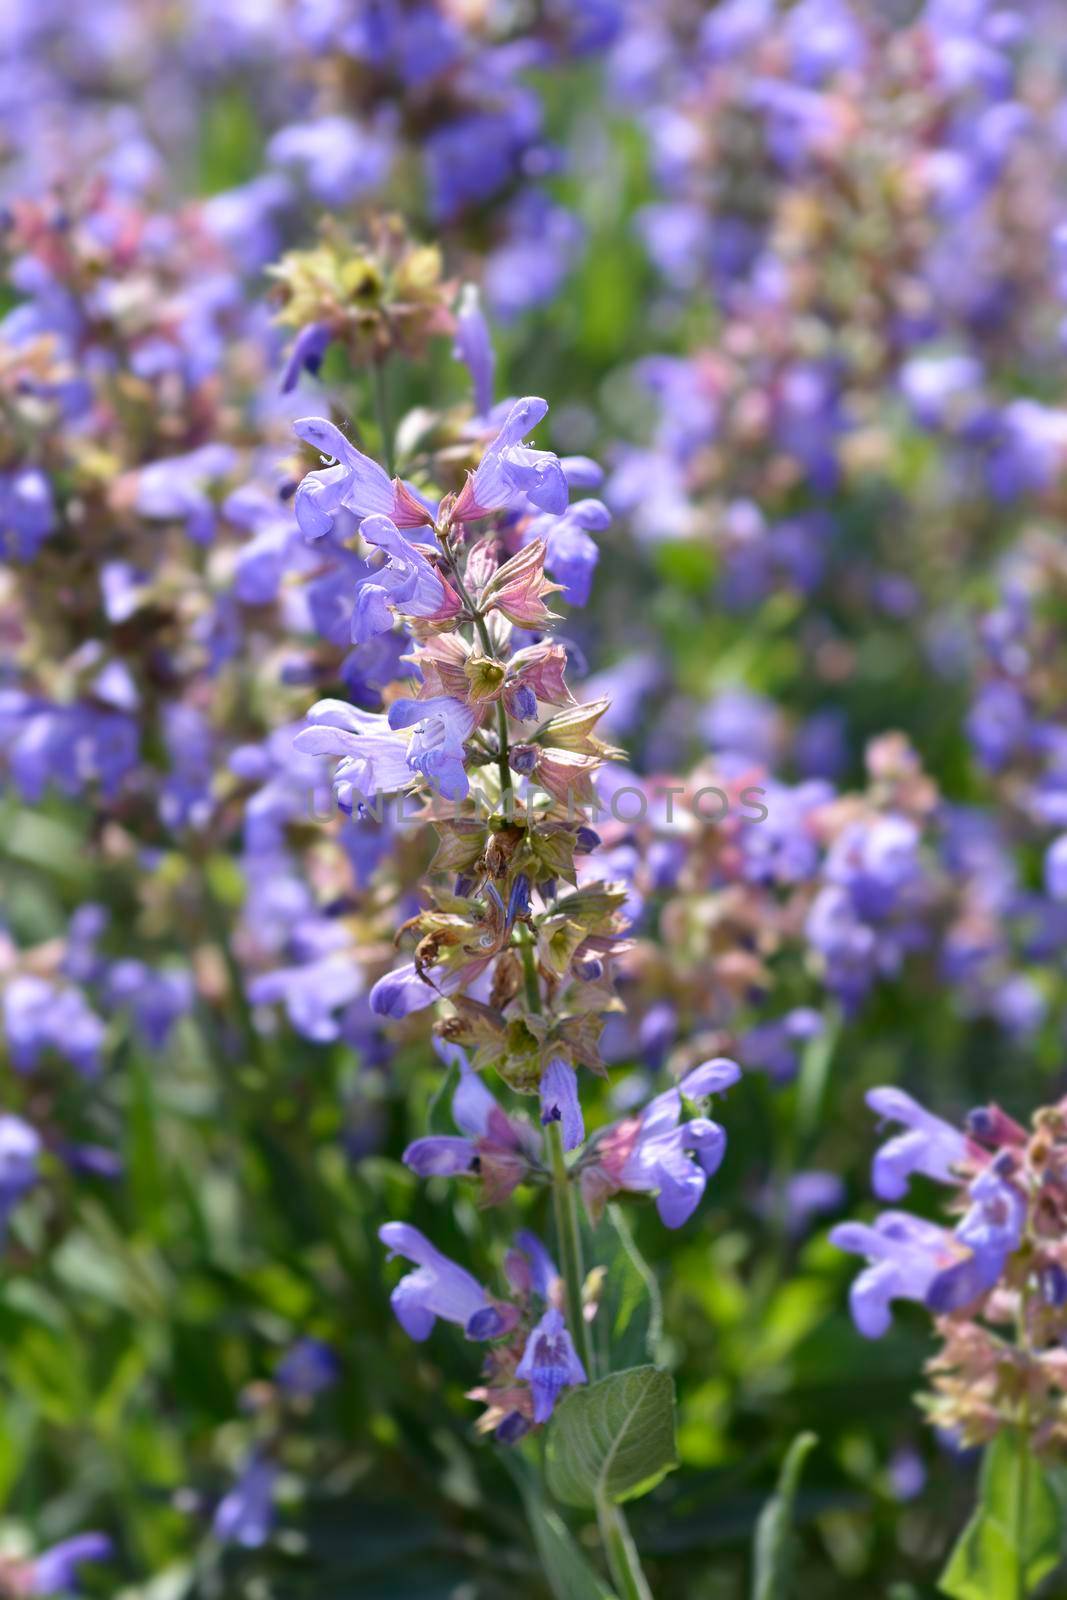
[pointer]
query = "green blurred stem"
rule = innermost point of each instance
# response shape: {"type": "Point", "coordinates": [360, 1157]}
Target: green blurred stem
{"type": "Point", "coordinates": [623, 1561]}
{"type": "Point", "coordinates": [569, 1239]}
{"type": "Point", "coordinates": [384, 415]}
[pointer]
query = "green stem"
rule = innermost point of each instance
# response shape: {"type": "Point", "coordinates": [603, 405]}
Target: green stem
{"type": "Point", "coordinates": [623, 1561]}
{"type": "Point", "coordinates": [529, 970]}
{"type": "Point", "coordinates": [505, 763]}
{"type": "Point", "coordinates": [564, 1200]}
{"type": "Point", "coordinates": [569, 1242]}
{"type": "Point", "coordinates": [384, 415]}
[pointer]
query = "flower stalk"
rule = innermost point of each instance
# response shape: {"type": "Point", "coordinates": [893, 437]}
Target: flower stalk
{"type": "Point", "coordinates": [514, 953]}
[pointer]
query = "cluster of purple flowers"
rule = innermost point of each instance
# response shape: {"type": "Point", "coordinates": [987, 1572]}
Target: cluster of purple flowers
{"type": "Point", "coordinates": [995, 1281]}
{"type": "Point", "coordinates": [907, 152]}
{"type": "Point", "coordinates": [519, 966]}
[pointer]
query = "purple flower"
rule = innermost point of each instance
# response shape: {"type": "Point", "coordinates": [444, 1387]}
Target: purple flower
{"type": "Point", "coordinates": [511, 476]}
{"type": "Point", "coordinates": [905, 1254]}
{"type": "Point", "coordinates": [1000, 724]}
{"type": "Point", "coordinates": [308, 349]}
{"type": "Point", "coordinates": [549, 1363]}
{"type": "Point", "coordinates": [1056, 869]}
{"type": "Point", "coordinates": [560, 1103]}
{"type": "Point", "coordinates": [69, 746]}
{"type": "Point", "coordinates": [711, 1077]}
{"type": "Point", "coordinates": [496, 1145]}
{"type": "Point", "coordinates": [315, 995]}
{"type": "Point", "coordinates": [877, 861]}
{"type": "Point", "coordinates": [156, 999]}
{"type": "Point", "coordinates": [907, 1473]}
{"type": "Point", "coordinates": [441, 1155]}
{"type": "Point", "coordinates": [1030, 451]}
{"type": "Point", "coordinates": [401, 992]}
{"type": "Point", "coordinates": [743, 723]}
{"type": "Point", "coordinates": [930, 1146]}
{"type": "Point", "coordinates": [809, 1194]}
{"type": "Point", "coordinates": [39, 1017]}
{"type": "Point", "coordinates": [374, 757]}
{"type": "Point", "coordinates": [437, 1288]}
{"type": "Point", "coordinates": [992, 1230]}
{"type": "Point", "coordinates": [657, 1032]}
{"type": "Point", "coordinates": [931, 383]}
{"type": "Point", "coordinates": [245, 1516]}
{"type": "Point", "coordinates": [27, 513]}
{"type": "Point", "coordinates": [408, 582]}
{"type": "Point", "coordinates": [772, 1046]}
{"type": "Point", "coordinates": [657, 1153]}
{"type": "Point", "coordinates": [176, 490]}
{"type": "Point", "coordinates": [56, 1571]}
{"type": "Point", "coordinates": [355, 483]}
{"type": "Point", "coordinates": [122, 588]}
{"type": "Point", "coordinates": [784, 849]}
{"type": "Point", "coordinates": [81, 960]}
{"type": "Point", "coordinates": [438, 728]}
{"type": "Point", "coordinates": [340, 160]}
{"type": "Point", "coordinates": [309, 1368]}
{"type": "Point", "coordinates": [20, 1148]}
{"type": "Point", "coordinates": [474, 348]}
{"type": "Point", "coordinates": [571, 555]}
{"type": "Point", "coordinates": [913, 1259]}
{"type": "Point", "coordinates": [735, 26]}
{"type": "Point", "coordinates": [540, 241]}
{"type": "Point", "coordinates": [823, 38]}
{"type": "Point", "coordinates": [472, 157]}
{"type": "Point", "coordinates": [534, 1268]}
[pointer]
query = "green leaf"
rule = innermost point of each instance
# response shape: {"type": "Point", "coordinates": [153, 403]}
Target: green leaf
{"type": "Point", "coordinates": [1014, 1538]}
{"type": "Point", "coordinates": [629, 1321]}
{"type": "Point", "coordinates": [814, 1073]}
{"type": "Point", "coordinates": [612, 1440]}
{"type": "Point", "coordinates": [567, 1572]}
{"type": "Point", "coordinates": [773, 1552]}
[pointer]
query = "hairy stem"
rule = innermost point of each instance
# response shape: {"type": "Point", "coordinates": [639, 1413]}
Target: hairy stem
{"type": "Point", "coordinates": [623, 1561]}
{"type": "Point", "coordinates": [564, 1199]}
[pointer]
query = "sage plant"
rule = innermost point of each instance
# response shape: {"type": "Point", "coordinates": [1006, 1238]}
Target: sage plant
{"type": "Point", "coordinates": [520, 928]}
